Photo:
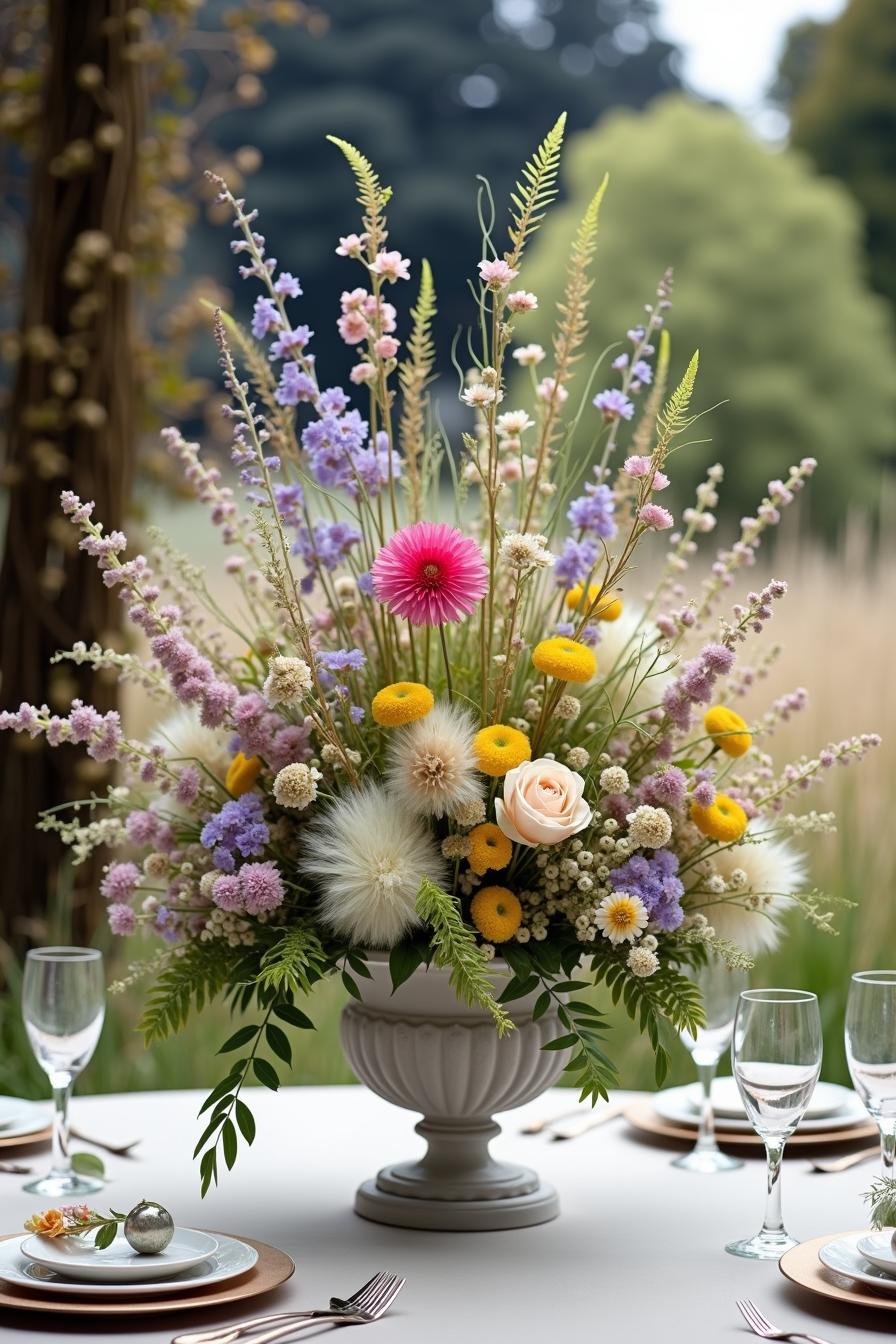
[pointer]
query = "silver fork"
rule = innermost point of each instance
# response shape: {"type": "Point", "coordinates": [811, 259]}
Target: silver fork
{"type": "Point", "coordinates": [764, 1328]}
{"type": "Point", "coordinates": [367, 1303]}
{"type": "Point", "coordinates": [833, 1164]}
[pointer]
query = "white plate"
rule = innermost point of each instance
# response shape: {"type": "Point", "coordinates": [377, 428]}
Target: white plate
{"type": "Point", "coordinates": [231, 1259]}
{"type": "Point", "coordinates": [18, 1117]}
{"type": "Point", "coordinates": [828, 1099]}
{"type": "Point", "coordinates": [78, 1257]}
{"type": "Point", "coordinates": [674, 1104]}
{"type": "Point", "coordinates": [877, 1247]}
{"type": "Point", "coordinates": [843, 1256]}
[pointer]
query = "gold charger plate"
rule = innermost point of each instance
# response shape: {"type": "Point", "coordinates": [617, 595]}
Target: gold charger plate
{"type": "Point", "coordinates": [272, 1268]}
{"type": "Point", "coordinates": [22, 1140]}
{"type": "Point", "coordinates": [643, 1117]}
{"type": "Point", "coordinates": [802, 1266]}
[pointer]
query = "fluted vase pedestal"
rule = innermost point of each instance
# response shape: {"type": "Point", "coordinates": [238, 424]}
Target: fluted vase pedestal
{"type": "Point", "coordinates": [425, 1051]}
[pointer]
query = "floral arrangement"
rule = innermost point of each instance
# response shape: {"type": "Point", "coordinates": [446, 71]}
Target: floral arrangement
{"type": "Point", "coordinates": [419, 710]}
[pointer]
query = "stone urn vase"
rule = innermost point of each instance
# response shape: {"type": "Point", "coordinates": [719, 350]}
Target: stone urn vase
{"type": "Point", "coordinates": [423, 1049]}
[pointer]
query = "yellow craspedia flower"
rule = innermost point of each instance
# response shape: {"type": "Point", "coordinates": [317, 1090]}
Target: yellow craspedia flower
{"type": "Point", "coordinates": [402, 702]}
{"type": "Point", "coordinates": [565, 659]}
{"type": "Point", "coordinates": [723, 820]}
{"type": "Point", "coordinates": [610, 608]}
{"type": "Point", "coordinates": [242, 774]}
{"type": "Point", "coordinates": [500, 748]}
{"type": "Point", "coordinates": [497, 913]}
{"type": "Point", "coordinates": [489, 848]}
{"type": "Point", "coordinates": [728, 730]}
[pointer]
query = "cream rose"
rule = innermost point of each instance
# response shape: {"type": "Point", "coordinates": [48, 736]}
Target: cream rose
{"type": "Point", "coordinates": [542, 804]}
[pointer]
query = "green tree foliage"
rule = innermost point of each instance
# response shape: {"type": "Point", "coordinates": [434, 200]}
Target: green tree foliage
{"type": "Point", "coordinates": [768, 283]}
{"type": "Point", "coordinates": [845, 118]}
{"type": "Point", "coordinates": [432, 94]}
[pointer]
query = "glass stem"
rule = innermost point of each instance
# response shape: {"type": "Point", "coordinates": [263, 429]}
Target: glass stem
{"type": "Point", "coordinates": [62, 1089]}
{"type": "Point", "coordinates": [773, 1225]}
{"type": "Point", "coordinates": [706, 1135]}
{"type": "Point", "coordinates": [887, 1148]}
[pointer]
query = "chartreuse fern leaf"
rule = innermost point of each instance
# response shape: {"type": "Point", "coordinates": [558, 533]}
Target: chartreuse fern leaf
{"type": "Point", "coordinates": [373, 197]}
{"type": "Point", "coordinates": [455, 946]}
{"type": "Point", "coordinates": [536, 189]}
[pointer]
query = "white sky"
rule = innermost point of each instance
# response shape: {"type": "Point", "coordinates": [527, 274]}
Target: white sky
{"type": "Point", "coordinates": [731, 47]}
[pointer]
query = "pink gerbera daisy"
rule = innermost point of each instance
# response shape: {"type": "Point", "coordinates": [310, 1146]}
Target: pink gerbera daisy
{"type": "Point", "coordinates": [430, 573]}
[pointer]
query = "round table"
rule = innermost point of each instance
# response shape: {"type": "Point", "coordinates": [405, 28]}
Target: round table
{"type": "Point", "coordinates": [637, 1251]}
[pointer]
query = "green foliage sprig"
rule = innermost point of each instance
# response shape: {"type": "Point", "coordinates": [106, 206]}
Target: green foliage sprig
{"type": "Point", "coordinates": [881, 1199]}
{"type": "Point", "coordinates": [454, 945]}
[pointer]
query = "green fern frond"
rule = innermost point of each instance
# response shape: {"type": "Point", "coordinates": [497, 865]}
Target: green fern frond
{"type": "Point", "coordinates": [373, 197]}
{"type": "Point", "coordinates": [673, 418]}
{"type": "Point", "coordinates": [536, 189]}
{"type": "Point", "coordinates": [573, 306]}
{"type": "Point", "coordinates": [454, 946]}
{"type": "Point", "coordinates": [190, 982]}
{"type": "Point", "coordinates": [294, 962]}
{"type": "Point", "coordinates": [666, 998]}
{"type": "Point", "coordinates": [414, 374]}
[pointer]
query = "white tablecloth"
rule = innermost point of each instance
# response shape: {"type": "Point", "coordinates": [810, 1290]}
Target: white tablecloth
{"type": "Point", "coordinates": [637, 1252]}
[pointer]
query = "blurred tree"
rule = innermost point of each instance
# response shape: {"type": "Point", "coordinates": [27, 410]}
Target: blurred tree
{"type": "Point", "coordinates": [95, 149]}
{"type": "Point", "coordinates": [433, 94]}
{"type": "Point", "coordinates": [796, 64]}
{"type": "Point", "coordinates": [845, 117]}
{"type": "Point", "coordinates": [768, 284]}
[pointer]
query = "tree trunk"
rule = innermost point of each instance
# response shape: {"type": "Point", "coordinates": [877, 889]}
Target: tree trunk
{"type": "Point", "coordinates": [72, 423]}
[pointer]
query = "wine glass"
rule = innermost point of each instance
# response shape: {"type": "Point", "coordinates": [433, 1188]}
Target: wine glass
{"type": "Point", "coordinates": [720, 988]}
{"type": "Point", "coordinates": [871, 1052]}
{"type": "Point", "coordinates": [63, 1005]}
{"type": "Point", "coordinates": [776, 1057]}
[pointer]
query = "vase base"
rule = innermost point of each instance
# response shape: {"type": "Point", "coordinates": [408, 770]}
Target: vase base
{"type": "Point", "coordinates": [457, 1215]}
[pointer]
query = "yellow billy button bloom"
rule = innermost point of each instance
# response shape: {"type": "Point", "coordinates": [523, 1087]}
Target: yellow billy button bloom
{"type": "Point", "coordinates": [610, 608]}
{"type": "Point", "coordinates": [242, 774]}
{"type": "Point", "coordinates": [728, 730]}
{"type": "Point", "coordinates": [402, 702]}
{"type": "Point", "coordinates": [723, 820]}
{"type": "Point", "coordinates": [489, 848]}
{"type": "Point", "coordinates": [497, 913]}
{"type": "Point", "coordinates": [565, 659]}
{"type": "Point", "coordinates": [500, 748]}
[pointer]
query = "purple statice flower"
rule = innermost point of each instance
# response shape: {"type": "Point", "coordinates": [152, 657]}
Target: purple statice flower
{"type": "Point", "coordinates": [295, 385]}
{"type": "Point", "coordinates": [356, 713]}
{"type": "Point", "coordinates": [239, 828]}
{"type": "Point", "coordinates": [365, 584]}
{"type": "Point", "coordinates": [290, 501]}
{"type": "Point", "coordinates": [620, 362]}
{"type": "Point", "coordinates": [614, 404]}
{"type": "Point", "coordinates": [331, 443]}
{"type": "Point", "coordinates": [287, 284]}
{"type": "Point", "coordinates": [593, 511]}
{"type": "Point", "coordinates": [694, 683]}
{"type": "Point", "coordinates": [642, 371]}
{"type": "Point", "coordinates": [333, 401]}
{"type": "Point", "coordinates": [665, 788]}
{"type": "Point", "coordinates": [372, 467]}
{"type": "Point", "coordinates": [265, 317]}
{"type": "Point", "coordinates": [324, 548]}
{"type": "Point", "coordinates": [119, 881]}
{"type": "Point", "coordinates": [122, 920]}
{"type": "Point", "coordinates": [656, 881]}
{"type": "Point", "coordinates": [341, 660]}
{"type": "Point", "coordinates": [575, 564]}
{"type": "Point", "coordinates": [290, 342]}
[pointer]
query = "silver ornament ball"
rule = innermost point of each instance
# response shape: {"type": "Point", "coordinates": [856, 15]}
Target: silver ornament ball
{"type": "Point", "coordinates": [148, 1228]}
